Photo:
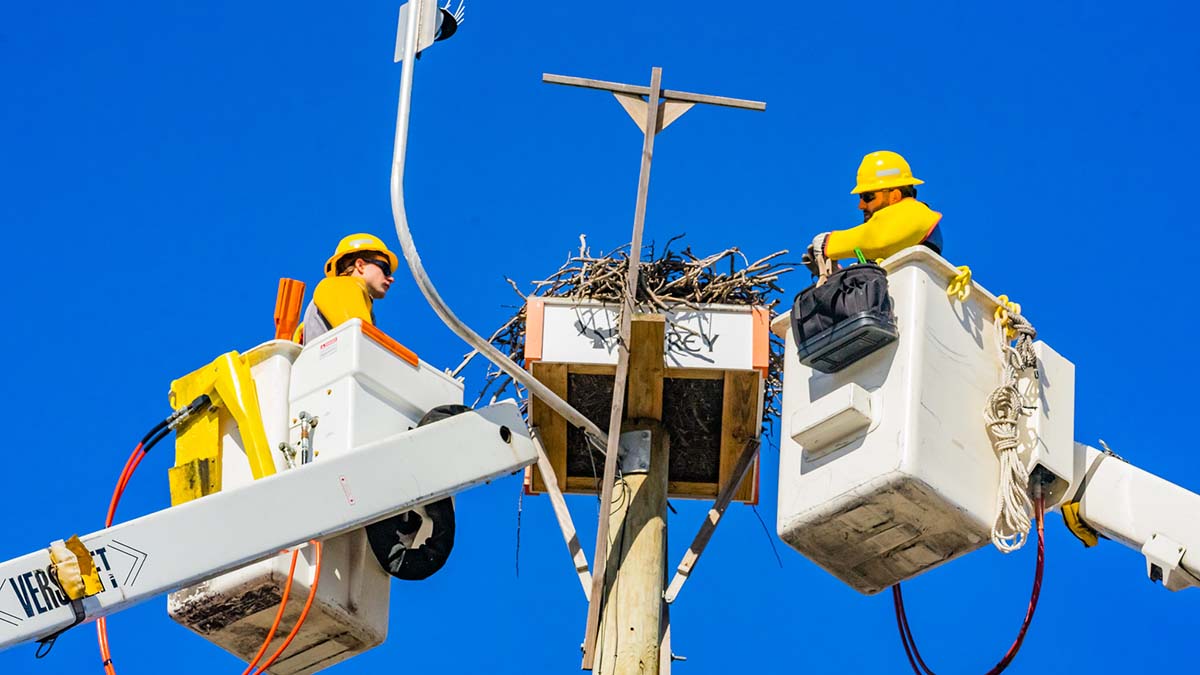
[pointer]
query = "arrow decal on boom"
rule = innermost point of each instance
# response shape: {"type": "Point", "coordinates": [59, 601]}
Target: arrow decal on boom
{"type": "Point", "coordinates": [139, 560]}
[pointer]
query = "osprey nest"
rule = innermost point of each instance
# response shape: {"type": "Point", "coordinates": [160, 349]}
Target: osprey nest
{"type": "Point", "coordinates": [666, 280]}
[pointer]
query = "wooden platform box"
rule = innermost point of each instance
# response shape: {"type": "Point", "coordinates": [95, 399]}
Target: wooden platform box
{"type": "Point", "coordinates": [708, 392]}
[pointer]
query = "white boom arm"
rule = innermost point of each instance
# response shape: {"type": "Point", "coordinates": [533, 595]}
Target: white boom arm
{"type": "Point", "coordinates": [1143, 512]}
{"type": "Point", "coordinates": [179, 546]}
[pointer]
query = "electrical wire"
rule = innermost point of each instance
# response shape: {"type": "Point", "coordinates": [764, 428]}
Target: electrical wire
{"type": "Point", "coordinates": [287, 589]}
{"type": "Point", "coordinates": [517, 553]}
{"type": "Point", "coordinates": [910, 646]}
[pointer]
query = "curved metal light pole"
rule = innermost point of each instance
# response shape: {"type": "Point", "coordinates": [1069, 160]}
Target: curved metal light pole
{"type": "Point", "coordinates": [430, 292]}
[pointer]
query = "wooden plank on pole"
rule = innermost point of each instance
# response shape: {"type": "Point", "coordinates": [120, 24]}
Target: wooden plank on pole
{"type": "Point", "coordinates": [739, 423]}
{"type": "Point", "coordinates": [552, 425]}
{"type": "Point", "coordinates": [589, 83]}
{"type": "Point", "coordinates": [600, 557]}
{"type": "Point", "coordinates": [646, 367]}
{"type": "Point", "coordinates": [664, 94]}
{"type": "Point", "coordinates": [724, 101]}
{"type": "Point", "coordinates": [684, 570]}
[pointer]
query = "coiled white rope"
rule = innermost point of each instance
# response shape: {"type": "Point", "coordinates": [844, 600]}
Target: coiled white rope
{"type": "Point", "coordinates": [1002, 412]}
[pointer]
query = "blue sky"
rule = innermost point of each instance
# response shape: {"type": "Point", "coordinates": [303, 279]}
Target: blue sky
{"type": "Point", "coordinates": [162, 164]}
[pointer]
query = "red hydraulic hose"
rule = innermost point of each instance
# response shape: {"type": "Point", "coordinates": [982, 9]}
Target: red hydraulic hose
{"type": "Point", "coordinates": [910, 645]}
{"type": "Point", "coordinates": [152, 438]}
{"type": "Point", "coordinates": [135, 458]}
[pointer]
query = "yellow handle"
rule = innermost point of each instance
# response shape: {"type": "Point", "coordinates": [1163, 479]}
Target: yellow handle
{"type": "Point", "coordinates": [960, 286]}
{"type": "Point", "coordinates": [1004, 314]}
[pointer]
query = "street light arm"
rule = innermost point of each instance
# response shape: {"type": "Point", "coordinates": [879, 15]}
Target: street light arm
{"type": "Point", "coordinates": [426, 286]}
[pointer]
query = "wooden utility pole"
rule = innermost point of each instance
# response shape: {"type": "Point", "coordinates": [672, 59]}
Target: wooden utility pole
{"type": "Point", "coordinates": [630, 597]}
{"type": "Point", "coordinates": [629, 638]}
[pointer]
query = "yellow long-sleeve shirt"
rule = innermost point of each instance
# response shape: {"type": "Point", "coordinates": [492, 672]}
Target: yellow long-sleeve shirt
{"type": "Point", "coordinates": [335, 301]}
{"type": "Point", "coordinates": [906, 223]}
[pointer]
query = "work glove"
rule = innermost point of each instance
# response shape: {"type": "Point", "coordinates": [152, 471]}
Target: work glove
{"type": "Point", "coordinates": [816, 262]}
{"type": "Point", "coordinates": [809, 260]}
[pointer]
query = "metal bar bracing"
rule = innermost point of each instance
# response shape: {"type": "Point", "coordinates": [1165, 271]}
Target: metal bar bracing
{"type": "Point", "coordinates": [180, 546]}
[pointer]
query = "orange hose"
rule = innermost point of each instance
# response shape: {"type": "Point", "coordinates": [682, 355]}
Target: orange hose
{"type": "Point", "coordinates": [102, 638]}
{"type": "Point", "coordinates": [287, 589]}
{"type": "Point", "coordinates": [312, 593]}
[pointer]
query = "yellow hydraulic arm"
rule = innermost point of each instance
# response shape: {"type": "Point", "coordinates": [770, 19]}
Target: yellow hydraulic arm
{"type": "Point", "coordinates": [227, 382]}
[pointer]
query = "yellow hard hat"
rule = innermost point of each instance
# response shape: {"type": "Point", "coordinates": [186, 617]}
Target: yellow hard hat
{"type": "Point", "coordinates": [883, 169]}
{"type": "Point", "coordinates": [355, 243]}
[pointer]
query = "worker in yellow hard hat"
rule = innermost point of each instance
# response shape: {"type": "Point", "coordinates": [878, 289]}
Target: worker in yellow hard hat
{"type": "Point", "coordinates": [357, 274]}
{"type": "Point", "coordinates": [893, 219]}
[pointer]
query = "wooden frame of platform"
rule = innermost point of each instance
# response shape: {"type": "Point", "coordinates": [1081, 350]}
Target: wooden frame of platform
{"type": "Point", "coordinates": [740, 414]}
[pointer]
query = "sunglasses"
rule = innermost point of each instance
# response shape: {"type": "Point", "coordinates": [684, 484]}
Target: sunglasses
{"type": "Point", "coordinates": [383, 265]}
{"type": "Point", "coordinates": [869, 197]}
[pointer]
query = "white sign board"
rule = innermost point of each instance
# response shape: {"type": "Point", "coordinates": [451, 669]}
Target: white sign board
{"type": "Point", "coordinates": [720, 337]}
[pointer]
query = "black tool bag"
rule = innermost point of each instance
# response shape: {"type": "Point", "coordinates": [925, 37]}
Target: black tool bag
{"type": "Point", "coordinates": [844, 319]}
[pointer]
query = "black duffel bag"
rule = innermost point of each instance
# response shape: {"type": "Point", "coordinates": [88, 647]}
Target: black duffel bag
{"type": "Point", "coordinates": [844, 319]}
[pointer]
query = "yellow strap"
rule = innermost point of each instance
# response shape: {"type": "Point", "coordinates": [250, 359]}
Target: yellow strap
{"type": "Point", "coordinates": [1081, 530]}
{"type": "Point", "coordinates": [960, 286]}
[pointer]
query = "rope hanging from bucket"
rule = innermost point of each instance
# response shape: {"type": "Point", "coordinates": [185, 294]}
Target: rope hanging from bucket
{"type": "Point", "coordinates": [1002, 413]}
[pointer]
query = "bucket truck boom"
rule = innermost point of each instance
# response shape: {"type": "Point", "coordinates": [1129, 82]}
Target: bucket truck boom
{"type": "Point", "coordinates": [169, 549]}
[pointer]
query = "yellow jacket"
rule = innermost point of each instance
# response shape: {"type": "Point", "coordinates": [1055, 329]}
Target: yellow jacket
{"type": "Point", "coordinates": [335, 301]}
{"type": "Point", "coordinates": [906, 223]}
